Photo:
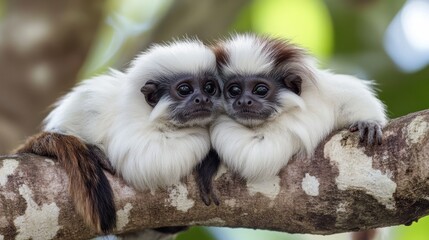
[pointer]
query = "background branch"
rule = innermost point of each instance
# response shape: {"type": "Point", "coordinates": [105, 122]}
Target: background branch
{"type": "Point", "coordinates": [343, 187]}
{"type": "Point", "coordinates": [207, 19]}
{"type": "Point", "coordinates": [43, 44]}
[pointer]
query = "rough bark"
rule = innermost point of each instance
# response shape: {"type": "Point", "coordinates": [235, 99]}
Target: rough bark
{"type": "Point", "coordinates": [343, 187]}
{"type": "Point", "coordinates": [43, 44]}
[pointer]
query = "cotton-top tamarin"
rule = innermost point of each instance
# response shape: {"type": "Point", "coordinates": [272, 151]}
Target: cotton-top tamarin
{"type": "Point", "coordinates": [278, 104]}
{"type": "Point", "coordinates": [149, 123]}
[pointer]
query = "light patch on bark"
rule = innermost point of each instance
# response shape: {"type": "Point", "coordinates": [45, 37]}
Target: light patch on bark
{"type": "Point", "coordinates": [178, 197]}
{"type": "Point", "coordinates": [387, 134]}
{"type": "Point", "coordinates": [342, 208]}
{"type": "Point", "coordinates": [213, 221]}
{"type": "Point", "coordinates": [231, 202]}
{"type": "Point", "coordinates": [356, 172]}
{"type": "Point", "coordinates": [343, 214]}
{"type": "Point", "coordinates": [269, 188]}
{"type": "Point", "coordinates": [310, 185]}
{"type": "Point", "coordinates": [37, 222]}
{"type": "Point", "coordinates": [417, 130]}
{"type": "Point", "coordinates": [221, 171]}
{"type": "Point", "coordinates": [123, 216]}
{"type": "Point", "coordinates": [8, 168]}
{"type": "Point", "coordinates": [1, 237]}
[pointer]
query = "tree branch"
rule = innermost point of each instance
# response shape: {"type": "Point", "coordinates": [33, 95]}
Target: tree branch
{"type": "Point", "coordinates": [343, 187]}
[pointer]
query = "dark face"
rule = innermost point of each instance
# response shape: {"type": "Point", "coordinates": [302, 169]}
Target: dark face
{"type": "Point", "coordinates": [195, 100]}
{"type": "Point", "coordinates": [251, 100]}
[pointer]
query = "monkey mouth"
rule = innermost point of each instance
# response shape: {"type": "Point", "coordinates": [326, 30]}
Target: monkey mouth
{"type": "Point", "coordinates": [199, 113]}
{"type": "Point", "coordinates": [249, 114]}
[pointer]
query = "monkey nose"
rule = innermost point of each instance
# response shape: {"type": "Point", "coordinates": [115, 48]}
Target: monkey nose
{"type": "Point", "coordinates": [247, 102]}
{"type": "Point", "coordinates": [203, 99]}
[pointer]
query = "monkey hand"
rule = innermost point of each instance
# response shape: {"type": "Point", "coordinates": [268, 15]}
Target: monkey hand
{"type": "Point", "coordinates": [369, 131]}
{"type": "Point", "coordinates": [207, 195]}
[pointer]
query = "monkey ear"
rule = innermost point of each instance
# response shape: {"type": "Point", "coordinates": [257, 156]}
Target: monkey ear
{"type": "Point", "coordinates": [293, 82]}
{"type": "Point", "coordinates": [150, 91]}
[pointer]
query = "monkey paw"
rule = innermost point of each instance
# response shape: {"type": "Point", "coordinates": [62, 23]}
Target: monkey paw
{"type": "Point", "coordinates": [369, 130]}
{"type": "Point", "coordinates": [207, 195]}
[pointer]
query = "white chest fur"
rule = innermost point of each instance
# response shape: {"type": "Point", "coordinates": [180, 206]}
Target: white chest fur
{"type": "Point", "coordinates": [157, 158]}
{"type": "Point", "coordinates": [259, 153]}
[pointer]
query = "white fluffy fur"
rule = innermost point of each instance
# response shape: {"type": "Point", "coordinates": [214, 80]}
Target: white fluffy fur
{"type": "Point", "coordinates": [111, 112]}
{"type": "Point", "coordinates": [327, 102]}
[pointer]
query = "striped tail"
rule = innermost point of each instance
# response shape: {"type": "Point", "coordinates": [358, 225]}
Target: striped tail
{"type": "Point", "coordinates": [88, 185]}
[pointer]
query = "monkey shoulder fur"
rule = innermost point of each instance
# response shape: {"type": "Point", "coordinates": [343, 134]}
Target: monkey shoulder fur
{"type": "Point", "coordinates": [150, 122]}
{"type": "Point", "coordinates": [278, 104]}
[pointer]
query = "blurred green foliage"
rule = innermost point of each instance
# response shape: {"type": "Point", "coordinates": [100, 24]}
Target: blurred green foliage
{"type": "Point", "coordinates": [307, 23]}
{"type": "Point", "coordinates": [417, 231]}
{"type": "Point", "coordinates": [196, 233]}
{"type": "Point", "coordinates": [285, 19]}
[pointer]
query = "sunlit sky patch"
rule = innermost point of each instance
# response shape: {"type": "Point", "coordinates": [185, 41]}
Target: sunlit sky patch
{"type": "Point", "coordinates": [407, 37]}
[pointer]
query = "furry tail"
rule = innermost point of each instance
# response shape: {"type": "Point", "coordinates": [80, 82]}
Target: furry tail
{"type": "Point", "coordinates": [88, 185]}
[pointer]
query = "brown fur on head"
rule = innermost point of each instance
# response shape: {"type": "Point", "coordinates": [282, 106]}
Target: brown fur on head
{"type": "Point", "coordinates": [88, 185]}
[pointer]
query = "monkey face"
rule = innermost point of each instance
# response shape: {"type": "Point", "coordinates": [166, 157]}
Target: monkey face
{"type": "Point", "coordinates": [250, 100]}
{"type": "Point", "coordinates": [195, 100]}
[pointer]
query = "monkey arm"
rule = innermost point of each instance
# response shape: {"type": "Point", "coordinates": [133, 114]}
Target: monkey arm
{"type": "Point", "coordinates": [356, 106]}
{"type": "Point", "coordinates": [354, 100]}
{"type": "Point", "coordinates": [205, 173]}
{"type": "Point", "coordinates": [343, 187]}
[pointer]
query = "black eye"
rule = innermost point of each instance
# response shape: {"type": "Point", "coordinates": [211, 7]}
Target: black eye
{"type": "Point", "coordinates": [184, 89]}
{"type": "Point", "coordinates": [260, 90]}
{"type": "Point", "coordinates": [210, 88]}
{"type": "Point", "coordinates": [234, 90]}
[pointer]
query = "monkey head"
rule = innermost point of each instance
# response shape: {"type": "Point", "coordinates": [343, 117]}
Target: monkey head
{"type": "Point", "coordinates": [179, 83]}
{"type": "Point", "coordinates": [193, 98]}
{"type": "Point", "coordinates": [262, 77]}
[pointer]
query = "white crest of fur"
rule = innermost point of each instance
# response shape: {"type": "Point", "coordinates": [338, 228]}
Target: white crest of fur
{"type": "Point", "coordinates": [246, 56]}
{"type": "Point", "coordinates": [187, 56]}
{"type": "Point", "coordinates": [141, 143]}
{"type": "Point", "coordinates": [327, 102]}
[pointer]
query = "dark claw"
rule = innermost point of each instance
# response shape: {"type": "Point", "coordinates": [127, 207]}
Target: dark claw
{"type": "Point", "coordinates": [371, 136]}
{"type": "Point", "coordinates": [362, 131]}
{"type": "Point", "coordinates": [369, 131]}
{"type": "Point", "coordinates": [353, 127]}
{"type": "Point", "coordinates": [215, 198]}
{"type": "Point", "coordinates": [379, 135]}
{"type": "Point", "coordinates": [204, 195]}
